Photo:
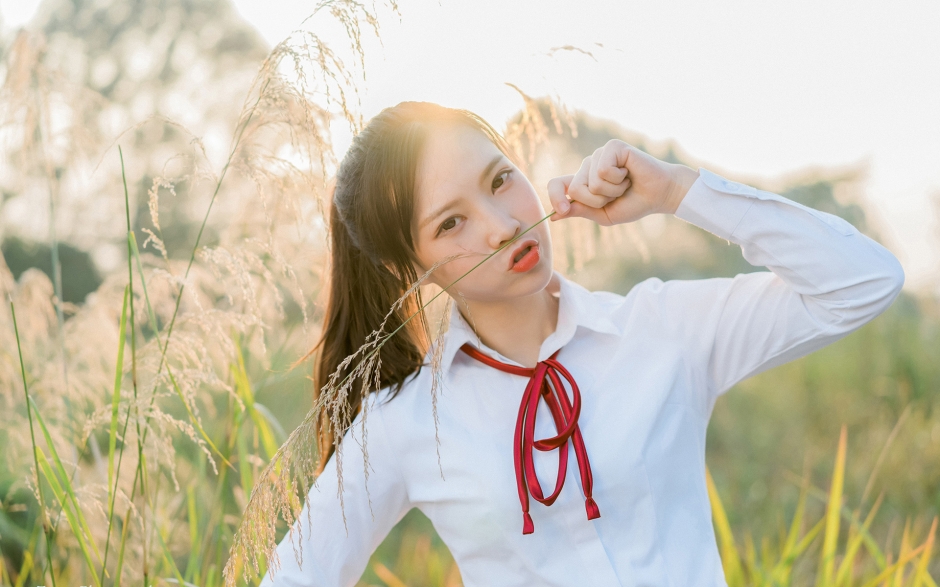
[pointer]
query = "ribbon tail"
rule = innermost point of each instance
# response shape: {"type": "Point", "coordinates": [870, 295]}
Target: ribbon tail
{"type": "Point", "coordinates": [592, 510]}
{"type": "Point", "coordinates": [527, 526]}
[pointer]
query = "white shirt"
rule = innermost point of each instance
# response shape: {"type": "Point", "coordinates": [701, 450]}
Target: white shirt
{"type": "Point", "coordinates": [650, 366]}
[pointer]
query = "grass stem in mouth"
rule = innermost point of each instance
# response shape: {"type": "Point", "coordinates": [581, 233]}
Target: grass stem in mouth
{"type": "Point", "coordinates": [451, 284]}
{"type": "Point", "coordinates": [273, 487]}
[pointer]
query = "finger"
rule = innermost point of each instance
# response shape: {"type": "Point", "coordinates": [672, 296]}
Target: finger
{"type": "Point", "coordinates": [612, 163]}
{"type": "Point", "coordinates": [581, 176]}
{"type": "Point", "coordinates": [557, 194]}
{"type": "Point", "coordinates": [579, 191]}
{"type": "Point", "coordinates": [605, 177]}
{"type": "Point", "coordinates": [623, 187]}
{"type": "Point", "coordinates": [598, 215]}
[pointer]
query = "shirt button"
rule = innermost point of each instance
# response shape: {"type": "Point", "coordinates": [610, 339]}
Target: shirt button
{"type": "Point", "coordinates": [731, 187]}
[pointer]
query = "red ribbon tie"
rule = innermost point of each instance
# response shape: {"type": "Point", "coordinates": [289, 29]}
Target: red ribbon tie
{"type": "Point", "coordinates": [545, 382]}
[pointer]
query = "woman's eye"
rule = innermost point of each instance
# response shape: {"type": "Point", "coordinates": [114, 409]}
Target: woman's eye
{"type": "Point", "coordinates": [498, 181]}
{"type": "Point", "coordinates": [447, 225]}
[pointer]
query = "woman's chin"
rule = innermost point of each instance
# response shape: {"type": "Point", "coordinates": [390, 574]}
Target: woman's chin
{"type": "Point", "coordinates": [531, 282]}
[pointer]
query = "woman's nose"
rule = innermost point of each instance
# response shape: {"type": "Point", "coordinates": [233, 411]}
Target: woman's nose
{"type": "Point", "coordinates": [503, 227]}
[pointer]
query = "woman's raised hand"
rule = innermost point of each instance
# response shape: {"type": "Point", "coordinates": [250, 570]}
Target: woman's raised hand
{"type": "Point", "coordinates": [620, 183]}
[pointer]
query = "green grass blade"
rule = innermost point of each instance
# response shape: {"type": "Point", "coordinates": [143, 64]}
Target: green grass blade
{"type": "Point", "coordinates": [729, 552]}
{"type": "Point", "coordinates": [32, 437]}
{"type": "Point", "coordinates": [268, 426]}
{"type": "Point", "coordinates": [25, 569]}
{"type": "Point", "coordinates": [804, 542]}
{"type": "Point", "coordinates": [920, 574]}
{"type": "Point", "coordinates": [905, 548]}
{"type": "Point", "coordinates": [842, 574]}
{"type": "Point", "coordinates": [120, 561]}
{"type": "Point", "coordinates": [191, 570]}
{"type": "Point", "coordinates": [784, 565]}
{"type": "Point", "coordinates": [151, 316]}
{"type": "Point", "coordinates": [893, 568]}
{"type": "Point", "coordinates": [169, 559]}
{"type": "Point", "coordinates": [833, 516]}
{"type": "Point", "coordinates": [66, 484]}
{"type": "Point", "coordinates": [115, 404]}
{"type": "Point", "coordinates": [243, 389]}
{"type": "Point", "coordinates": [244, 467]}
{"type": "Point", "coordinates": [133, 336]}
{"type": "Point", "coordinates": [71, 514]}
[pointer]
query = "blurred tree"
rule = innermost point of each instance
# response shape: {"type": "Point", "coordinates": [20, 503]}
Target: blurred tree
{"type": "Point", "coordinates": [90, 70]}
{"type": "Point", "coordinates": [79, 275]}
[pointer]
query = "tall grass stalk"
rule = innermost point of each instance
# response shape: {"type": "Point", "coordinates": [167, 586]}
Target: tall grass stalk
{"type": "Point", "coordinates": [112, 436]}
{"type": "Point", "coordinates": [32, 436]}
{"type": "Point", "coordinates": [141, 462]}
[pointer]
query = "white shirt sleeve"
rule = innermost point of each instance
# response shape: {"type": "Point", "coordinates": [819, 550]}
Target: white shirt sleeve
{"type": "Point", "coordinates": [826, 280]}
{"type": "Point", "coordinates": [324, 550]}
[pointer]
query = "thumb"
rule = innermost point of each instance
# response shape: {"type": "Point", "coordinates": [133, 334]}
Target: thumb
{"type": "Point", "coordinates": [598, 215]}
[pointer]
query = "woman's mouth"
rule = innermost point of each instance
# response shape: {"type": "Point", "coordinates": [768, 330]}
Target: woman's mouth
{"type": "Point", "coordinates": [525, 256]}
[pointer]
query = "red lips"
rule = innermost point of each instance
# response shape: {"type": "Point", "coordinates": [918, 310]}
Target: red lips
{"type": "Point", "coordinates": [525, 256]}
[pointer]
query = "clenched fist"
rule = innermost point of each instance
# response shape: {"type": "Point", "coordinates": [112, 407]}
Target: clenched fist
{"type": "Point", "coordinates": [620, 183]}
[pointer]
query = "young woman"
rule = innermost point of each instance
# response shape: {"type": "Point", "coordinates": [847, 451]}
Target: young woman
{"type": "Point", "coordinates": [571, 423]}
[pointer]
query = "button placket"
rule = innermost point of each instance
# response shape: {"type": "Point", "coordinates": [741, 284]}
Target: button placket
{"type": "Point", "coordinates": [583, 532]}
{"type": "Point", "coordinates": [584, 536]}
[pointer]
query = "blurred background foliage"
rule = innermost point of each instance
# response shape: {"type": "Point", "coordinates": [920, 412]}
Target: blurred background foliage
{"type": "Point", "coordinates": [167, 79]}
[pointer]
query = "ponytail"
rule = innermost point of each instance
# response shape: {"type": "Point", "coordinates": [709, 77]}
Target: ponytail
{"type": "Point", "coordinates": [372, 255]}
{"type": "Point", "coordinates": [361, 294]}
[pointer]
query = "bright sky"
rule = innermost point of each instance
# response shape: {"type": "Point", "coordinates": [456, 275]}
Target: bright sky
{"type": "Point", "coordinates": [753, 89]}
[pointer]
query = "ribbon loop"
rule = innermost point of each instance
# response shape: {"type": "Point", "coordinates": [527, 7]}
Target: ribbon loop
{"type": "Point", "coordinates": [546, 382]}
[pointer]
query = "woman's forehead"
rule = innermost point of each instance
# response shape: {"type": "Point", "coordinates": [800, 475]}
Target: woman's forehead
{"type": "Point", "coordinates": [452, 159]}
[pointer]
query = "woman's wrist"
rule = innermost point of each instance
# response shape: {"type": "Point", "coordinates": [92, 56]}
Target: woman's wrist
{"type": "Point", "coordinates": [683, 178]}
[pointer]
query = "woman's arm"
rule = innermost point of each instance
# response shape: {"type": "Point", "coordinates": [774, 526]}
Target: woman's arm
{"type": "Point", "coordinates": [331, 541]}
{"type": "Point", "coordinates": [826, 280]}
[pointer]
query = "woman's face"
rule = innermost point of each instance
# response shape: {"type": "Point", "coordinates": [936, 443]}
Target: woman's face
{"type": "Point", "coordinates": [469, 201]}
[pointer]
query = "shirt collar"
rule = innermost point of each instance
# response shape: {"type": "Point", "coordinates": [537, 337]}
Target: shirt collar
{"type": "Point", "coordinates": [576, 307]}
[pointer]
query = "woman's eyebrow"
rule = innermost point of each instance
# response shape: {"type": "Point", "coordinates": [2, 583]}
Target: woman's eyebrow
{"type": "Point", "coordinates": [427, 220]}
{"type": "Point", "coordinates": [489, 168]}
{"type": "Point", "coordinates": [486, 172]}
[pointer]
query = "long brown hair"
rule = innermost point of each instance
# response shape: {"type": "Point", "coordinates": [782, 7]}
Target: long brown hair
{"type": "Point", "coordinates": [372, 252]}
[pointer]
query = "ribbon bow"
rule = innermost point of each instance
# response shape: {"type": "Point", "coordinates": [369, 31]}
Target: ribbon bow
{"type": "Point", "coordinates": [545, 381]}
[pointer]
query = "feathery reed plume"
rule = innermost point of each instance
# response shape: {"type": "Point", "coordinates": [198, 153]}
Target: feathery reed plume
{"type": "Point", "coordinates": [437, 375]}
{"type": "Point", "coordinates": [285, 480]}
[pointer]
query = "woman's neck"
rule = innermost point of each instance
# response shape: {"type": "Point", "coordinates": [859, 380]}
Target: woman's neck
{"type": "Point", "coordinates": [515, 328]}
